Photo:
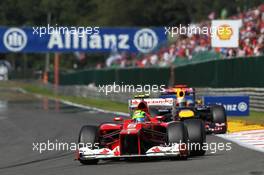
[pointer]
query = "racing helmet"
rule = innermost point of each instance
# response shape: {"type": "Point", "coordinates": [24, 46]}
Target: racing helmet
{"type": "Point", "coordinates": [142, 106]}
{"type": "Point", "coordinates": [139, 116]}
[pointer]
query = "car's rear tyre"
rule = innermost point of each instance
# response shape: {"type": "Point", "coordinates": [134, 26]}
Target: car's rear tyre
{"type": "Point", "coordinates": [88, 136]}
{"type": "Point", "coordinates": [219, 116]}
{"type": "Point", "coordinates": [177, 133]}
{"type": "Point", "coordinates": [197, 136]}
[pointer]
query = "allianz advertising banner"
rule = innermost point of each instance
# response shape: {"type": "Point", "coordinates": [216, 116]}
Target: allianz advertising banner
{"type": "Point", "coordinates": [97, 39]}
{"type": "Point", "coordinates": [234, 105]}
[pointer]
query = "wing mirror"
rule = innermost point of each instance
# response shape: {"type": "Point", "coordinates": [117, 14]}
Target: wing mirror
{"type": "Point", "coordinates": [118, 119]}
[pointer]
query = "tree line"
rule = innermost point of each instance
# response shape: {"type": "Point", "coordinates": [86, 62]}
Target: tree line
{"type": "Point", "coordinates": [115, 12]}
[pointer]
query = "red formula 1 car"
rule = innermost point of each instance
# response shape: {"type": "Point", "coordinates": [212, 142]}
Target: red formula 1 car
{"type": "Point", "coordinates": [154, 137]}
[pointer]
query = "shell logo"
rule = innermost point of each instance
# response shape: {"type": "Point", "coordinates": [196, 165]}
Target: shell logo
{"type": "Point", "coordinates": [224, 32]}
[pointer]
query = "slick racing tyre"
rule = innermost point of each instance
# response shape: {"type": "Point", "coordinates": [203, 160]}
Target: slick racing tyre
{"type": "Point", "coordinates": [177, 133]}
{"type": "Point", "coordinates": [219, 116]}
{"type": "Point", "coordinates": [197, 136]}
{"type": "Point", "coordinates": [88, 136]}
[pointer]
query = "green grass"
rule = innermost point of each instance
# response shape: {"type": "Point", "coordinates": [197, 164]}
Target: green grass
{"type": "Point", "coordinates": [98, 103]}
{"type": "Point", "coordinates": [254, 118]}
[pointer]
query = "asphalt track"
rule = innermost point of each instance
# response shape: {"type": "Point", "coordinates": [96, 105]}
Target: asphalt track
{"type": "Point", "coordinates": [29, 120]}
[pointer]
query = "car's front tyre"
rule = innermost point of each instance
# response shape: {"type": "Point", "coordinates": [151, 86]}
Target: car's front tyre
{"type": "Point", "coordinates": [88, 136]}
{"type": "Point", "coordinates": [197, 136]}
{"type": "Point", "coordinates": [177, 133]}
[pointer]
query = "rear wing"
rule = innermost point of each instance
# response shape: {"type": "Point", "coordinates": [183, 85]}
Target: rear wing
{"type": "Point", "coordinates": [166, 102]}
{"type": "Point", "coordinates": [176, 90]}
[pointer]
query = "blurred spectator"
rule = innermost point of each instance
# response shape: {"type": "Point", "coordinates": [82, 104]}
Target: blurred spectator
{"type": "Point", "coordinates": [184, 47]}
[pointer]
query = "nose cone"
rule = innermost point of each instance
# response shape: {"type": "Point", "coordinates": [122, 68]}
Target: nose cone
{"type": "Point", "coordinates": [131, 128]}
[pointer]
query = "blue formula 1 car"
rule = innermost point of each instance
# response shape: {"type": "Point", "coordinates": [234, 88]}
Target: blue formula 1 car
{"type": "Point", "coordinates": [187, 106]}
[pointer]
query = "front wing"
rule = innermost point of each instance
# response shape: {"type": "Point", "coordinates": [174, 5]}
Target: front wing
{"type": "Point", "coordinates": [105, 153]}
{"type": "Point", "coordinates": [215, 128]}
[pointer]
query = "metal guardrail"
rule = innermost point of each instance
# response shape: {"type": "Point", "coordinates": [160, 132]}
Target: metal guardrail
{"type": "Point", "coordinates": [256, 94]}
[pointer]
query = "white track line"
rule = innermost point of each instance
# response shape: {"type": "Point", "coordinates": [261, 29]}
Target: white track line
{"type": "Point", "coordinates": [254, 139]}
{"type": "Point", "coordinates": [74, 104]}
{"type": "Point", "coordinates": [93, 108]}
{"type": "Point", "coordinates": [249, 139]}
